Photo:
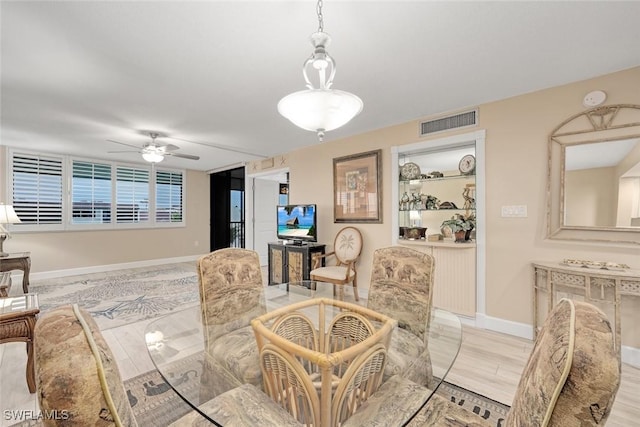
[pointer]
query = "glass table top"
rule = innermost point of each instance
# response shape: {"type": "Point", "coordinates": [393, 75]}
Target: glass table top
{"type": "Point", "coordinates": [20, 304]}
{"type": "Point", "coordinates": [180, 344]}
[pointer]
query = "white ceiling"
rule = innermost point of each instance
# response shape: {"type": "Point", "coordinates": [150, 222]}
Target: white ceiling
{"type": "Point", "coordinates": [210, 73]}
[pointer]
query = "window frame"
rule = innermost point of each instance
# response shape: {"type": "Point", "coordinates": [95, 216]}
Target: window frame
{"type": "Point", "coordinates": [67, 195]}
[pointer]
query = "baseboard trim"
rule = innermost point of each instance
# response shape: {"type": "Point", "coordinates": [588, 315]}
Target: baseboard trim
{"type": "Point", "coordinates": [630, 355]}
{"type": "Point", "coordinates": [54, 274]}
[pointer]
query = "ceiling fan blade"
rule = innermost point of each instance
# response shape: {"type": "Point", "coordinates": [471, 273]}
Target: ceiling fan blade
{"type": "Point", "coordinates": [125, 151]}
{"type": "Point", "coordinates": [122, 143]}
{"type": "Point", "coordinates": [170, 147]}
{"type": "Point", "coordinates": [184, 156]}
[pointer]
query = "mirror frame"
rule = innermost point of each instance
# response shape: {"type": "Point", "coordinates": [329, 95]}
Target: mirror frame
{"type": "Point", "coordinates": [600, 124]}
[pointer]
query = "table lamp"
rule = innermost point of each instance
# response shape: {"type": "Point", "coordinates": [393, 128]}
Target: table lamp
{"type": "Point", "coordinates": [7, 216]}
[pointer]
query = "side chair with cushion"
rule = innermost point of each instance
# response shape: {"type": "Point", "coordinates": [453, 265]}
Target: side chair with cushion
{"type": "Point", "coordinates": [570, 380]}
{"type": "Point", "coordinates": [76, 374]}
{"type": "Point", "coordinates": [231, 294]}
{"type": "Point", "coordinates": [402, 288]}
{"type": "Point", "coordinates": [346, 251]}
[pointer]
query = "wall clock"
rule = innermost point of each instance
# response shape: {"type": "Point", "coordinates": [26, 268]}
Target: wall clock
{"type": "Point", "coordinates": [410, 171]}
{"type": "Point", "coordinates": [467, 165]}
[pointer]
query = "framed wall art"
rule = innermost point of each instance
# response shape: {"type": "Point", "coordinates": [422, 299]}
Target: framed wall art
{"type": "Point", "coordinates": [357, 188]}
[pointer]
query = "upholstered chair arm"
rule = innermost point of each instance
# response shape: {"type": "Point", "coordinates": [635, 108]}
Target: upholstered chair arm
{"type": "Point", "coordinates": [317, 259]}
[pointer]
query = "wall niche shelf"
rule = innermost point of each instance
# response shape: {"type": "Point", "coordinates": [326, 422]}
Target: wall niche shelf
{"type": "Point", "coordinates": [459, 276]}
{"type": "Point", "coordinates": [441, 178]}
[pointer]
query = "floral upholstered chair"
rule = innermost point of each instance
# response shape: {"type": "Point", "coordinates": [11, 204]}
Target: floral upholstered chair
{"type": "Point", "coordinates": [402, 288]}
{"type": "Point", "coordinates": [231, 294]}
{"type": "Point", "coordinates": [346, 251]}
{"type": "Point", "coordinates": [76, 373]}
{"type": "Point", "coordinates": [570, 380]}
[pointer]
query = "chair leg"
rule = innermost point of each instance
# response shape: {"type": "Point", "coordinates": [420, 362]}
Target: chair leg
{"type": "Point", "coordinates": [355, 288]}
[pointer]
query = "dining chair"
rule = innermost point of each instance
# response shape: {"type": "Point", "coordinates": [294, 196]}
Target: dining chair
{"type": "Point", "coordinates": [570, 380]}
{"type": "Point", "coordinates": [231, 294]}
{"type": "Point", "coordinates": [346, 251]}
{"type": "Point", "coordinates": [77, 377]}
{"type": "Point", "coordinates": [402, 288]}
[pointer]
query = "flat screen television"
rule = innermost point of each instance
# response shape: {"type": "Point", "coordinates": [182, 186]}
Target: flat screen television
{"type": "Point", "coordinates": [297, 223]}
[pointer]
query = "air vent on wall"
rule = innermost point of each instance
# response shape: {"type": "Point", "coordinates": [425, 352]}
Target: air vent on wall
{"type": "Point", "coordinates": [468, 118]}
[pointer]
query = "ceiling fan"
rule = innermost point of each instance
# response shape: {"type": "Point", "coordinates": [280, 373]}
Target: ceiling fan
{"type": "Point", "coordinates": [154, 152]}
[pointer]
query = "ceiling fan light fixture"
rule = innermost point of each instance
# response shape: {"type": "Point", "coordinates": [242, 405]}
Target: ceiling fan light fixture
{"type": "Point", "coordinates": [320, 108]}
{"type": "Point", "coordinates": [152, 156]}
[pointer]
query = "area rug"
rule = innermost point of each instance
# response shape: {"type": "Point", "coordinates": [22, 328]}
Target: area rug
{"type": "Point", "coordinates": [121, 297]}
{"type": "Point", "coordinates": [491, 410]}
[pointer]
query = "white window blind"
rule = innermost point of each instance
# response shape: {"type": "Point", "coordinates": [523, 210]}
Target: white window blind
{"type": "Point", "coordinates": [91, 193]}
{"type": "Point", "coordinates": [132, 195]}
{"type": "Point", "coordinates": [37, 189]}
{"type": "Point", "coordinates": [168, 196]}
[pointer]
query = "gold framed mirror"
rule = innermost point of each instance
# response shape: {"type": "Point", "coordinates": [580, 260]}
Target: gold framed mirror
{"type": "Point", "coordinates": [593, 182]}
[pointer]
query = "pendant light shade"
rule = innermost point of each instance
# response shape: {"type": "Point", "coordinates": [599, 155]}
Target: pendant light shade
{"type": "Point", "coordinates": [319, 108]}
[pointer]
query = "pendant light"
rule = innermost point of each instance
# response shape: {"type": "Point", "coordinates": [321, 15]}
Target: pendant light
{"type": "Point", "coordinates": [320, 109]}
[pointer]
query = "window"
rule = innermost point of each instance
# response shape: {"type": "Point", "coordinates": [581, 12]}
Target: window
{"type": "Point", "coordinates": [91, 193]}
{"type": "Point", "coordinates": [37, 189]}
{"type": "Point", "coordinates": [168, 196]}
{"type": "Point", "coordinates": [65, 193]}
{"type": "Point", "coordinates": [132, 195]}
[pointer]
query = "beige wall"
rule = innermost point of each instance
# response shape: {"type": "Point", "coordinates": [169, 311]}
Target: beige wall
{"type": "Point", "coordinates": [62, 250]}
{"type": "Point", "coordinates": [516, 164]}
{"type": "Point", "coordinates": [591, 197]}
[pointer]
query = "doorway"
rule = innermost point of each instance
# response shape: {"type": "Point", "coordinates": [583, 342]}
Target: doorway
{"type": "Point", "coordinates": [264, 192]}
{"type": "Point", "coordinates": [227, 209]}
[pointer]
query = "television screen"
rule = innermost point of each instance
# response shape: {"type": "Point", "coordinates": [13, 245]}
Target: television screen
{"type": "Point", "coordinates": [297, 222]}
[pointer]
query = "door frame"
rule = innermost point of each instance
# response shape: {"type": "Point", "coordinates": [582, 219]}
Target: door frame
{"type": "Point", "coordinates": [249, 186]}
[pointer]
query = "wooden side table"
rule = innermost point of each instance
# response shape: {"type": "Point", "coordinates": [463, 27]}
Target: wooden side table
{"type": "Point", "coordinates": [18, 261]}
{"type": "Point", "coordinates": [17, 321]}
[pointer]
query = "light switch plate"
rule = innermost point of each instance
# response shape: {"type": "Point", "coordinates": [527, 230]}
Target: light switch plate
{"type": "Point", "coordinates": [514, 211]}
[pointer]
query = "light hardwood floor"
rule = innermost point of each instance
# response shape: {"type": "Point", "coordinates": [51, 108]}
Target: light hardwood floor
{"type": "Point", "coordinates": [489, 363]}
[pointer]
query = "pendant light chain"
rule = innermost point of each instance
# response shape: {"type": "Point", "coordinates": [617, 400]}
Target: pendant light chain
{"type": "Point", "coordinates": [320, 17]}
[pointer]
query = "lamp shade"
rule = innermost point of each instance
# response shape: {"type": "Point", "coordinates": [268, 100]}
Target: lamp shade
{"type": "Point", "coordinates": [8, 215]}
{"type": "Point", "coordinates": [320, 110]}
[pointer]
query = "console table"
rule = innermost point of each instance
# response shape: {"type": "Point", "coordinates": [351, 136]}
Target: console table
{"type": "Point", "coordinates": [595, 285]}
{"type": "Point", "coordinates": [18, 261]}
{"type": "Point", "coordinates": [292, 263]}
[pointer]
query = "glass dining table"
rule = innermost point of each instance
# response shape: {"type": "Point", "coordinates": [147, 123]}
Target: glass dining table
{"type": "Point", "coordinates": [177, 343]}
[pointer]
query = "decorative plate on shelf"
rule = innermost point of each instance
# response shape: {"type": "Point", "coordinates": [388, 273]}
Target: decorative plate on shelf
{"type": "Point", "coordinates": [467, 165]}
{"type": "Point", "coordinates": [410, 171]}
